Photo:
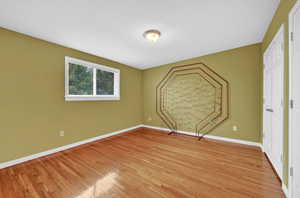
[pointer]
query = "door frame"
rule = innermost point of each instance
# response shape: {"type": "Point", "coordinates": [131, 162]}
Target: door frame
{"type": "Point", "coordinates": [279, 33]}
{"type": "Point", "coordinates": [290, 132]}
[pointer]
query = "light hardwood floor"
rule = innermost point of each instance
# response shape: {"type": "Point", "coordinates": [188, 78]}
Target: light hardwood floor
{"type": "Point", "coordinates": [145, 163]}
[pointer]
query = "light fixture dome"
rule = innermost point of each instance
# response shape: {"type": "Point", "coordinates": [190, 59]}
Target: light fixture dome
{"type": "Point", "coordinates": [152, 35]}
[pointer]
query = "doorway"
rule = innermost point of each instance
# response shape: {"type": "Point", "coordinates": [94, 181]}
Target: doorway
{"type": "Point", "coordinates": [294, 96]}
{"type": "Point", "coordinates": [273, 118]}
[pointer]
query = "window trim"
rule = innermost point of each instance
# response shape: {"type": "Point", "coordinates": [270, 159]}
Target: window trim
{"type": "Point", "coordinates": [95, 66]}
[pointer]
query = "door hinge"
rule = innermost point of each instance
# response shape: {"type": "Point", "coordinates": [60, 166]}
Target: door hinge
{"type": "Point", "coordinates": [291, 171]}
{"type": "Point", "coordinates": [292, 36]}
{"type": "Point", "coordinates": [292, 104]}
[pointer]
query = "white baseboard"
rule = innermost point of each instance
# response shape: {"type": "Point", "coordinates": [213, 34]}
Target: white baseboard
{"type": "Point", "coordinates": [285, 190]}
{"type": "Point", "coordinates": [37, 155]}
{"type": "Point", "coordinates": [261, 147]}
{"type": "Point", "coordinates": [257, 144]}
{"type": "Point", "coordinates": [41, 154]}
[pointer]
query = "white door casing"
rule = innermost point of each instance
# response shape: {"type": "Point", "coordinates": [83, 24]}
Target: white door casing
{"type": "Point", "coordinates": [273, 117]}
{"type": "Point", "coordinates": [294, 99]}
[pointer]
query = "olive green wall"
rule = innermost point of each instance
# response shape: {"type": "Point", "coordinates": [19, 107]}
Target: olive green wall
{"type": "Point", "coordinates": [32, 105]}
{"type": "Point", "coordinates": [281, 17]}
{"type": "Point", "coordinates": [241, 67]}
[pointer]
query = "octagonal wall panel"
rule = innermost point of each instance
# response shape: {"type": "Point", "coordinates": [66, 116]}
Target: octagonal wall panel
{"type": "Point", "coordinates": [192, 98]}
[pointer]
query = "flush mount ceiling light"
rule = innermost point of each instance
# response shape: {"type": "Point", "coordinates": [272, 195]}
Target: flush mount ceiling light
{"type": "Point", "coordinates": [152, 35]}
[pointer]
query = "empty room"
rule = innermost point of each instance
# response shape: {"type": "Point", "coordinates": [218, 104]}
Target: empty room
{"type": "Point", "coordinates": [150, 99]}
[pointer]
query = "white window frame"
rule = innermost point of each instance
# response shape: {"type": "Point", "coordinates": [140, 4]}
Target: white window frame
{"type": "Point", "coordinates": [95, 66]}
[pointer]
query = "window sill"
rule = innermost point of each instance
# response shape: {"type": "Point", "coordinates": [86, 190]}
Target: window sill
{"type": "Point", "coordinates": [91, 98]}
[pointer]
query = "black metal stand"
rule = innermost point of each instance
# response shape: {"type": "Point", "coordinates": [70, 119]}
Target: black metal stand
{"type": "Point", "coordinates": [202, 136]}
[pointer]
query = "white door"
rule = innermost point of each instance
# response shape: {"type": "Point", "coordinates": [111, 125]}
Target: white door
{"type": "Point", "coordinates": [267, 114]}
{"type": "Point", "coordinates": [273, 101]}
{"type": "Point", "coordinates": [295, 102]}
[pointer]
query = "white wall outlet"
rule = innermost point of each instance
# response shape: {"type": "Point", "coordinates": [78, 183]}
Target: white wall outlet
{"type": "Point", "coordinates": [234, 128]}
{"type": "Point", "coordinates": [61, 133]}
{"type": "Point", "coordinates": [149, 119]}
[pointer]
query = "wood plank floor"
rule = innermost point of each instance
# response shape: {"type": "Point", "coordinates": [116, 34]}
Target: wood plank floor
{"type": "Point", "coordinates": [145, 163]}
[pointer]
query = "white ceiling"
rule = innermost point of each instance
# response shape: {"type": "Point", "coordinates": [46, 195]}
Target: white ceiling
{"type": "Point", "coordinates": [113, 28]}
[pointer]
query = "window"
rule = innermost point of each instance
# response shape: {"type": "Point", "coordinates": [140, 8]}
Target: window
{"type": "Point", "coordinates": [90, 81]}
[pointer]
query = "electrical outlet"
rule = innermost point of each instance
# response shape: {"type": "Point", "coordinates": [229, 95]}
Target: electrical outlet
{"type": "Point", "coordinates": [61, 133]}
{"type": "Point", "coordinates": [149, 119]}
{"type": "Point", "coordinates": [234, 128]}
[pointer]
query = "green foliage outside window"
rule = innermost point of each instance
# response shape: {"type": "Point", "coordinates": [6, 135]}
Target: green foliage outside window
{"type": "Point", "coordinates": [80, 80]}
{"type": "Point", "coordinates": [105, 83]}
